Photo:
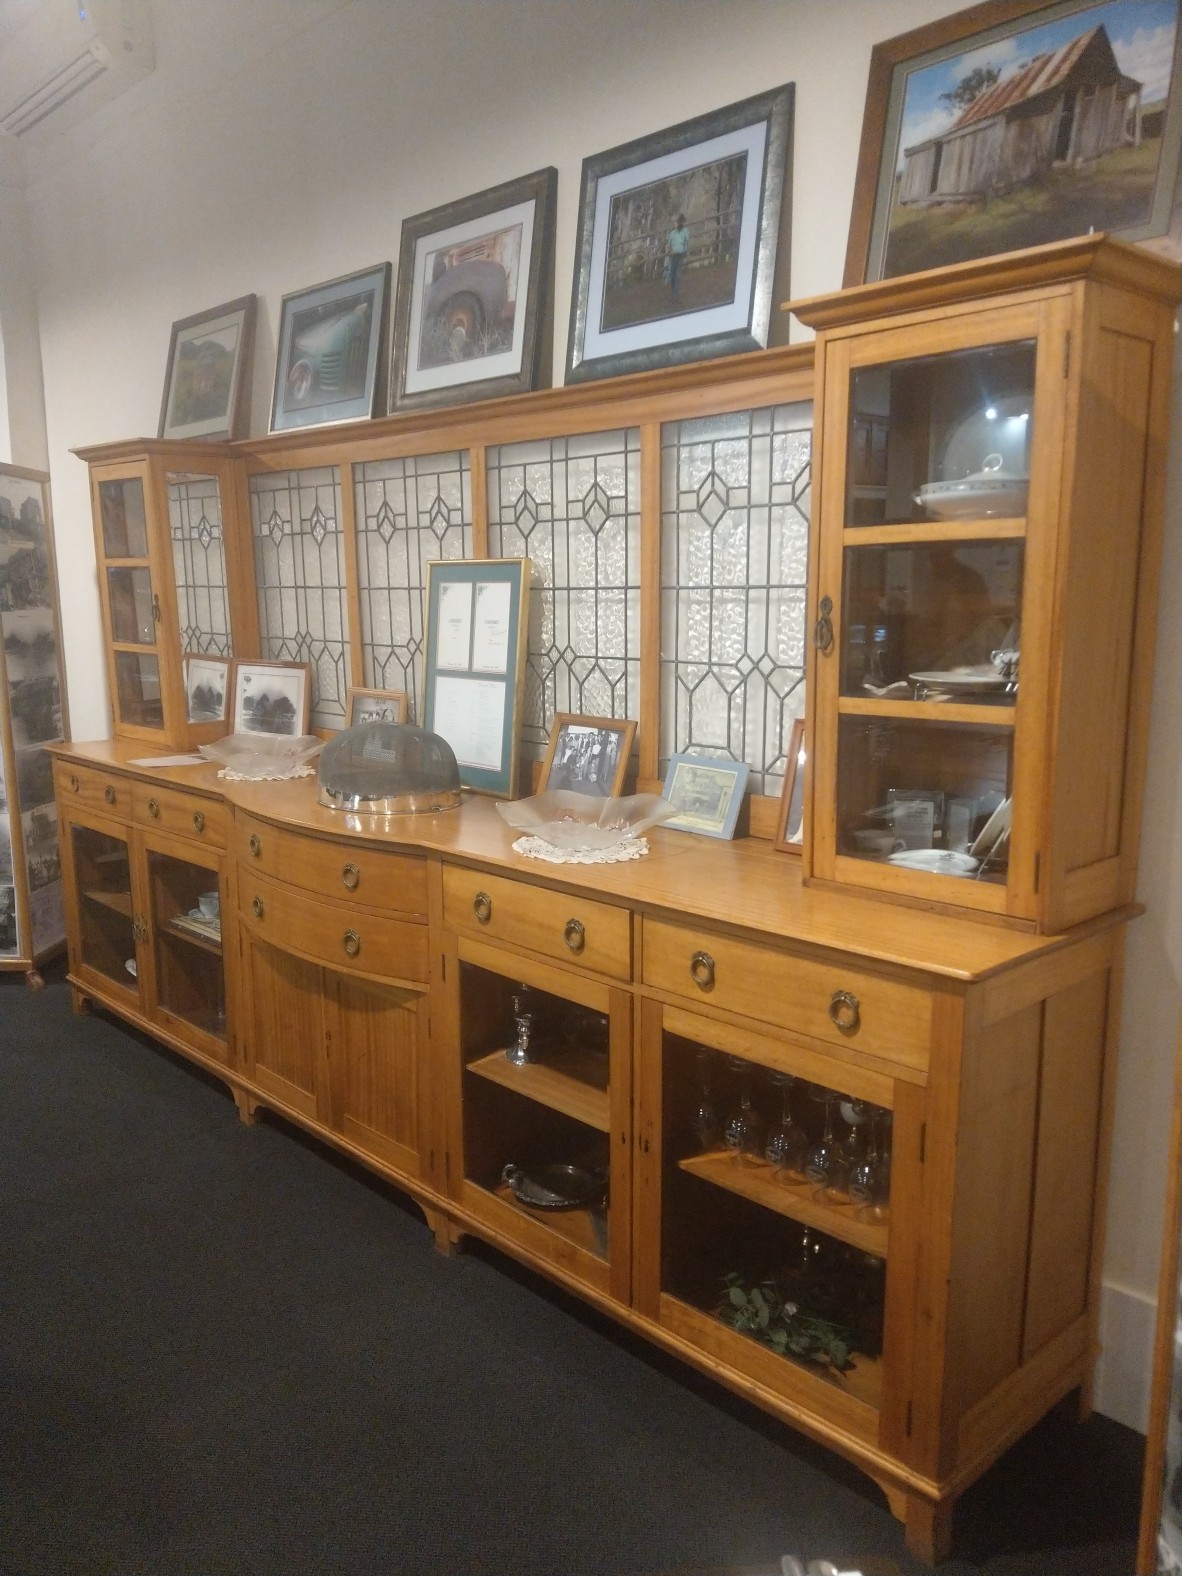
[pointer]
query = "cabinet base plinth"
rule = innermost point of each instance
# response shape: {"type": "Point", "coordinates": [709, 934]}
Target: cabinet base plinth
{"type": "Point", "coordinates": [80, 1002]}
{"type": "Point", "coordinates": [449, 1235]}
{"type": "Point", "coordinates": [35, 980]}
{"type": "Point", "coordinates": [248, 1107]}
{"type": "Point", "coordinates": [927, 1525]}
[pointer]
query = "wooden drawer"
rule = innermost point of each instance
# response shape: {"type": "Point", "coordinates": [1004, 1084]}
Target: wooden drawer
{"type": "Point", "coordinates": [377, 877]}
{"type": "Point", "coordinates": [183, 814]}
{"type": "Point", "coordinates": [569, 929]}
{"type": "Point", "coordinates": [92, 788]}
{"type": "Point", "coordinates": [342, 938]}
{"type": "Point", "coordinates": [826, 1001]}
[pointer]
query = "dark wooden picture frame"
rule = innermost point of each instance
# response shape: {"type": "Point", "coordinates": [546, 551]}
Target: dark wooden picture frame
{"type": "Point", "coordinates": [894, 68]}
{"type": "Point", "coordinates": [330, 365]}
{"type": "Point", "coordinates": [578, 751]}
{"type": "Point", "coordinates": [474, 311]}
{"type": "Point", "coordinates": [248, 669]}
{"type": "Point", "coordinates": [789, 837]}
{"type": "Point", "coordinates": [207, 380]}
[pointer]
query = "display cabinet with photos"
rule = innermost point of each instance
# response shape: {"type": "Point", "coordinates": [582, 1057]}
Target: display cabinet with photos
{"type": "Point", "coordinates": [32, 716]}
{"type": "Point", "coordinates": [989, 509]}
{"type": "Point", "coordinates": [175, 581]}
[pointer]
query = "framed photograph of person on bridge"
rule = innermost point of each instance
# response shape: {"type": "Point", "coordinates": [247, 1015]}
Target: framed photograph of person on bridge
{"type": "Point", "coordinates": [682, 241]}
{"type": "Point", "coordinates": [1009, 125]}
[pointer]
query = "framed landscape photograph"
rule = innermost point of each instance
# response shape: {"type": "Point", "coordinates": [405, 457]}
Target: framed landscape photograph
{"type": "Point", "coordinates": [708, 792]}
{"type": "Point", "coordinates": [272, 697]}
{"type": "Point", "coordinates": [473, 311]}
{"type": "Point", "coordinates": [331, 362]}
{"type": "Point", "coordinates": [375, 705]}
{"type": "Point", "coordinates": [207, 381]}
{"type": "Point", "coordinates": [207, 686]}
{"type": "Point", "coordinates": [677, 241]}
{"type": "Point", "coordinates": [587, 755]}
{"type": "Point", "coordinates": [1010, 125]}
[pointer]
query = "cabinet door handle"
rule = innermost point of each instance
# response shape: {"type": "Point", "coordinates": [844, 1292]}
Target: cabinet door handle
{"type": "Point", "coordinates": [74, 783]}
{"type": "Point", "coordinates": [350, 875]}
{"type": "Point", "coordinates": [139, 928]}
{"type": "Point", "coordinates": [109, 794]}
{"type": "Point", "coordinates": [823, 629]}
{"type": "Point", "coordinates": [254, 845]}
{"type": "Point", "coordinates": [482, 907]}
{"type": "Point", "coordinates": [154, 809]}
{"type": "Point", "coordinates": [257, 908]}
{"type": "Point", "coordinates": [351, 942]}
{"type": "Point", "coordinates": [199, 820]}
{"type": "Point", "coordinates": [845, 1010]}
{"type": "Point", "coordinates": [702, 970]}
{"type": "Point", "coordinates": [155, 609]}
{"type": "Point", "coordinates": [574, 935]}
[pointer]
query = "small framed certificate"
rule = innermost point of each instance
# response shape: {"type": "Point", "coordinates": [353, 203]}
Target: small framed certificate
{"type": "Point", "coordinates": [477, 626]}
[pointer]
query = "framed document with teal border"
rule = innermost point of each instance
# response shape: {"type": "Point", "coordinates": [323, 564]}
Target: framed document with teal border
{"type": "Point", "coordinates": [477, 625]}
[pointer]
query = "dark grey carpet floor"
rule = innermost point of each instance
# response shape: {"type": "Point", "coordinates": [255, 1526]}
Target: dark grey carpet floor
{"type": "Point", "coordinates": [223, 1350]}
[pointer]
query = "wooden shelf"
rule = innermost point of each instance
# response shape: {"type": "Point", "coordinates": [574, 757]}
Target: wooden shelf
{"type": "Point", "coordinates": [757, 1181]}
{"type": "Point", "coordinates": [120, 902]}
{"type": "Point", "coordinates": [193, 938]}
{"type": "Point", "coordinates": [916, 532]}
{"type": "Point", "coordinates": [567, 1087]}
{"type": "Point", "coordinates": [933, 711]}
{"type": "Point", "coordinates": [587, 1229]}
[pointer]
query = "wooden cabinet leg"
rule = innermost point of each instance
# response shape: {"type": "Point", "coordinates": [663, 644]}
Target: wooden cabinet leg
{"type": "Point", "coordinates": [448, 1236]}
{"type": "Point", "coordinates": [80, 1001]}
{"type": "Point", "coordinates": [929, 1527]}
{"type": "Point", "coordinates": [248, 1107]}
{"type": "Point", "coordinates": [35, 980]}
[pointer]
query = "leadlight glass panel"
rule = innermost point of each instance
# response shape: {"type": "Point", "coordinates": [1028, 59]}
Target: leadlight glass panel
{"type": "Point", "coordinates": [408, 512]}
{"type": "Point", "coordinates": [734, 565]}
{"type": "Point", "coordinates": [572, 505]}
{"type": "Point", "coordinates": [199, 563]}
{"type": "Point", "coordinates": [299, 559]}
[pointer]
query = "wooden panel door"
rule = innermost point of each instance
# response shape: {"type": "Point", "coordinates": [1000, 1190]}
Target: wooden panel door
{"type": "Point", "coordinates": [374, 1036]}
{"type": "Point", "coordinates": [282, 1041]}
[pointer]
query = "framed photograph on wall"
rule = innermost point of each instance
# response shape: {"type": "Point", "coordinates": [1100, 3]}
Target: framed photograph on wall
{"type": "Point", "coordinates": [207, 380]}
{"type": "Point", "coordinates": [587, 755]}
{"type": "Point", "coordinates": [331, 361]}
{"type": "Point", "coordinates": [790, 821]}
{"type": "Point", "coordinates": [207, 686]}
{"type": "Point", "coordinates": [477, 621]}
{"type": "Point", "coordinates": [472, 316]}
{"type": "Point", "coordinates": [375, 705]}
{"type": "Point", "coordinates": [1009, 125]}
{"type": "Point", "coordinates": [272, 697]}
{"type": "Point", "coordinates": [677, 241]}
{"type": "Point", "coordinates": [707, 793]}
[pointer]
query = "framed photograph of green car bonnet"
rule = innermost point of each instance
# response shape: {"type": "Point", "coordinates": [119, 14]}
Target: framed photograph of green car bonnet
{"type": "Point", "coordinates": [679, 235]}
{"type": "Point", "coordinates": [473, 317]}
{"type": "Point", "coordinates": [331, 364]}
{"type": "Point", "coordinates": [207, 381]}
{"type": "Point", "coordinates": [1010, 125]}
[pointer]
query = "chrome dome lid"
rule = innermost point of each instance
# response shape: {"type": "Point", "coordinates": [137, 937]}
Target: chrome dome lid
{"type": "Point", "coordinates": [388, 768]}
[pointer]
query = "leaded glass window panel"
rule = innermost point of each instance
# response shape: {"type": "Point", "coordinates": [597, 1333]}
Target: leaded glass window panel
{"type": "Point", "coordinates": [734, 565]}
{"type": "Point", "coordinates": [299, 560]}
{"type": "Point", "coordinates": [199, 563]}
{"type": "Point", "coordinates": [408, 512]}
{"type": "Point", "coordinates": [572, 505]}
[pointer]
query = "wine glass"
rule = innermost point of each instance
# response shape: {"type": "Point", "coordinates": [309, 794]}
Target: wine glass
{"type": "Point", "coordinates": [743, 1134]}
{"type": "Point", "coordinates": [523, 1023]}
{"type": "Point", "coordinates": [827, 1167]}
{"type": "Point", "coordinates": [705, 1123]}
{"type": "Point", "coordinates": [870, 1176]}
{"type": "Point", "coordinates": [787, 1144]}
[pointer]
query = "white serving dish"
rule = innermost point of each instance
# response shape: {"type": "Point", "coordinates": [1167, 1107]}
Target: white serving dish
{"type": "Point", "coordinates": [937, 861]}
{"type": "Point", "coordinates": [566, 819]}
{"type": "Point", "coordinates": [991, 491]}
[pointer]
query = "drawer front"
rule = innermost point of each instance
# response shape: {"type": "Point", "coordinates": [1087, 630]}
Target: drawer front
{"type": "Point", "coordinates": [344, 939]}
{"type": "Point", "coordinates": [569, 929]}
{"type": "Point", "coordinates": [92, 788]}
{"type": "Point", "coordinates": [826, 1001]}
{"type": "Point", "coordinates": [377, 877]}
{"type": "Point", "coordinates": [183, 814]}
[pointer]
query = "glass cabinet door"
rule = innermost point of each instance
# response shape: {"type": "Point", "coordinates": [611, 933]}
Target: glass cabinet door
{"type": "Point", "coordinates": [186, 930]}
{"type": "Point", "coordinates": [133, 605]}
{"type": "Point", "coordinates": [106, 921]}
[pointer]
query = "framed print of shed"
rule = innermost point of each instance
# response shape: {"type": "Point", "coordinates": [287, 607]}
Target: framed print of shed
{"type": "Point", "coordinates": [207, 382]}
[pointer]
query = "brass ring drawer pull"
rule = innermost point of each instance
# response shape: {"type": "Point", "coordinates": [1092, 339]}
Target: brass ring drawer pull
{"type": "Point", "coordinates": [482, 907]}
{"type": "Point", "coordinates": [350, 875]}
{"type": "Point", "coordinates": [154, 809]}
{"type": "Point", "coordinates": [109, 794]}
{"type": "Point", "coordinates": [702, 970]}
{"type": "Point", "coordinates": [351, 942]}
{"type": "Point", "coordinates": [574, 935]}
{"type": "Point", "coordinates": [257, 908]}
{"type": "Point", "coordinates": [845, 1010]}
{"type": "Point", "coordinates": [74, 783]}
{"type": "Point", "coordinates": [199, 820]}
{"type": "Point", "coordinates": [255, 845]}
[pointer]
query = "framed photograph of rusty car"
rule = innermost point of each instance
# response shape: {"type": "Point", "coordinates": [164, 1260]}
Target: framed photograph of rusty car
{"type": "Point", "coordinates": [473, 316]}
{"type": "Point", "coordinates": [331, 361]}
{"type": "Point", "coordinates": [1012, 124]}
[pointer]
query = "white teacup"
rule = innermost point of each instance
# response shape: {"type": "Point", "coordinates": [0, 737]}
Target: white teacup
{"type": "Point", "coordinates": [878, 844]}
{"type": "Point", "coordinates": [210, 904]}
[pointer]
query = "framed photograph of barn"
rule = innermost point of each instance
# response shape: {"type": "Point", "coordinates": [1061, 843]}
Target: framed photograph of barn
{"type": "Point", "coordinates": [473, 317]}
{"type": "Point", "coordinates": [331, 364]}
{"type": "Point", "coordinates": [683, 241]}
{"type": "Point", "coordinates": [1016, 123]}
{"type": "Point", "coordinates": [207, 381]}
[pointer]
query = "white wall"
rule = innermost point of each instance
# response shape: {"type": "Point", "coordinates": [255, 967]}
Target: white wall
{"type": "Point", "coordinates": [282, 142]}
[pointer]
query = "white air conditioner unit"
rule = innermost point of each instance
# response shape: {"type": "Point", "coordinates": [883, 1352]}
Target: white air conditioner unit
{"type": "Point", "coordinates": [66, 57]}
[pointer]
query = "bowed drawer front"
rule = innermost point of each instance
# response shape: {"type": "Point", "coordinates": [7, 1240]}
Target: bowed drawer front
{"type": "Point", "coordinates": [826, 1001]}
{"type": "Point", "coordinates": [345, 939]}
{"type": "Point", "coordinates": [568, 929]}
{"type": "Point", "coordinates": [184, 814]}
{"type": "Point", "coordinates": [83, 786]}
{"type": "Point", "coordinates": [378, 878]}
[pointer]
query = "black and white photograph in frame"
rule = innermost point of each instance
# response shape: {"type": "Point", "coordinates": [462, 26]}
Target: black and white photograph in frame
{"type": "Point", "coordinates": [587, 755]}
{"type": "Point", "coordinates": [47, 916]}
{"type": "Point", "coordinates": [707, 791]}
{"type": "Point", "coordinates": [272, 697]}
{"type": "Point", "coordinates": [207, 687]}
{"type": "Point", "coordinates": [43, 861]}
{"type": "Point", "coordinates": [9, 940]}
{"type": "Point", "coordinates": [34, 777]}
{"type": "Point", "coordinates": [375, 705]}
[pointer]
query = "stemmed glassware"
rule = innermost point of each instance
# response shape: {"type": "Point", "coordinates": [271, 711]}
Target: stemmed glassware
{"type": "Point", "coordinates": [705, 1122]}
{"type": "Point", "coordinates": [518, 1052]}
{"type": "Point", "coordinates": [827, 1167]}
{"type": "Point", "coordinates": [870, 1177]}
{"type": "Point", "coordinates": [743, 1134]}
{"type": "Point", "coordinates": [787, 1144]}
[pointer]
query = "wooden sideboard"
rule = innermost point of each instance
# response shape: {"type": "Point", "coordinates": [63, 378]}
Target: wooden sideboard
{"type": "Point", "coordinates": [367, 981]}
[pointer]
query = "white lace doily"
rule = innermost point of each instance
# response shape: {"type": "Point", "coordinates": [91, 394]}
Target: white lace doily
{"type": "Point", "coordinates": [538, 848]}
{"type": "Point", "coordinates": [277, 776]}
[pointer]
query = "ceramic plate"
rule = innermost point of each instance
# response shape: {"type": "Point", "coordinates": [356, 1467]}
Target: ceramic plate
{"type": "Point", "coordinates": [939, 861]}
{"type": "Point", "coordinates": [997, 824]}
